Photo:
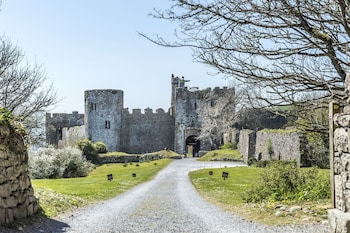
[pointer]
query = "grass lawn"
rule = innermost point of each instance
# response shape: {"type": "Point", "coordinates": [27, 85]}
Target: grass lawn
{"type": "Point", "coordinates": [227, 194]}
{"type": "Point", "coordinates": [60, 195]}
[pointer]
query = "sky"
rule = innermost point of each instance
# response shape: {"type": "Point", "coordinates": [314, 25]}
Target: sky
{"type": "Point", "coordinates": [95, 44]}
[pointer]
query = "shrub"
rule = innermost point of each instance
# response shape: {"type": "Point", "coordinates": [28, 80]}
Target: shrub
{"type": "Point", "coordinates": [317, 150]}
{"type": "Point", "coordinates": [269, 146]}
{"type": "Point", "coordinates": [251, 161]}
{"type": "Point", "coordinates": [285, 181]}
{"type": "Point", "coordinates": [100, 147]}
{"type": "Point", "coordinates": [229, 145]}
{"type": "Point", "coordinates": [87, 147]}
{"type": "Point", "coordinates": [58, 163]}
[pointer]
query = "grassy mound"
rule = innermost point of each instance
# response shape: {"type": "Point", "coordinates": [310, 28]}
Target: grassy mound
{"type": "Point", "coordinates": [221, 155]}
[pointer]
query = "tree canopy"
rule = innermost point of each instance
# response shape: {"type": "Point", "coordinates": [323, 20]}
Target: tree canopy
{"type": "Point", "coordinates": [22, 86]}
{"type": "Point", "coordinates": [292, 52]}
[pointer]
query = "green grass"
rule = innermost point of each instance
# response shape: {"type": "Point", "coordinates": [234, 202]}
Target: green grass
{"type": "Point", "coordinates": [221, 154]}
{"type": "Point", "coordinates": [166, 153]}
{"type": "Point", "coordinates": [226, 191]}
{"type": "Point", "coordinates": [227, 194]}
{"type": "Point", "coordinates": [113, 154]}
{"type": "Point", "coordinates": [60, 195]}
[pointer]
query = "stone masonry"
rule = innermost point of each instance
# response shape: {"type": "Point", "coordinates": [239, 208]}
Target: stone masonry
{"type": "Point", "coordinates": [16, 193]}
{"type": "Point", "coordinates": [339, 217]}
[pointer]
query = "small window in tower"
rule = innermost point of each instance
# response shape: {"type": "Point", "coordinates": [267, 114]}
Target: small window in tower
{"type": "Point", "coordinates": [92, 106]}
{"type": "Point", "coordinates": [195, 105]}
{"type": "Point", "coordinates": [107, 124]}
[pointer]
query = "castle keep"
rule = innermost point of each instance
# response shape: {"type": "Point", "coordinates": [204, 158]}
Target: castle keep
{"type": "Point", "coordinates": [106, 120]}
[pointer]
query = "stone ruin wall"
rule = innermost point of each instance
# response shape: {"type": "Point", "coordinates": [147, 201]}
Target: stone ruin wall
{"type": "Point", "coordinates": [70, 136]}
{"type": "Point", "coordinates": [16, 193]}
{"type": "Point", "coordinates": [54, 124]}
{"type": "Point", "coordinates": [285, 145]}
{"type": "Point", "coordinates": [246, 144]}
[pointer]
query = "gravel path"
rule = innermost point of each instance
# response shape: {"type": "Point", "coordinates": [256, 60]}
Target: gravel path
{"type": "Point", "coordinates": [168, 203]}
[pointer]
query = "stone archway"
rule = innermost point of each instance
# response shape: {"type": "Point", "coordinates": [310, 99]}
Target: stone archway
{"type": "Point", "coordinates": [193, 145]}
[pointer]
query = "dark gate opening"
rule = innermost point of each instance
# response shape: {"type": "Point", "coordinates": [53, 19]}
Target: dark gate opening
{"type": "Point", "coordinates": [193, 145]}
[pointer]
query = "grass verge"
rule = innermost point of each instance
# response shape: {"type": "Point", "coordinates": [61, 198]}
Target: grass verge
{"type": "Point", "coordinates": [57, 196]}
{"type": "Point", "coordinates": [227, 194]}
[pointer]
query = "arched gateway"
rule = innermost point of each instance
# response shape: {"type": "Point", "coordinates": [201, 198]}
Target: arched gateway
{"type": "Point", "coordinates": [193, 145]}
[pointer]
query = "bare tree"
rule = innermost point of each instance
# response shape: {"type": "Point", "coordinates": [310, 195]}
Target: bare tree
{"type": "Point", "coordinates": [23, 91]}
{"type": "Point", "coordinates": [286, 49]}
{"type": "Point", "coordinates": [22, 86]}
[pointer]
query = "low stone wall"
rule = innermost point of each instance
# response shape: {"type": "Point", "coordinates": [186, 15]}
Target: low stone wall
{"type": "Point", "coordinates": [128, 158]}
{"type": "Point", "coordinates": [16, 193]}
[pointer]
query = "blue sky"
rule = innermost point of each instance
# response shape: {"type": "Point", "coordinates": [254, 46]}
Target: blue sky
{"type": "Point", "coordinates": [94, 44]}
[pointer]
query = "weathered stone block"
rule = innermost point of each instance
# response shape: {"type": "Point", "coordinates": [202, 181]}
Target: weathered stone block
{"type": "Point", "coordinates": [20, 212]}
{"type": "Point", "coordinates": [342, 120]}
{"type": "Point", "coordinates": [8, 215]}
{"type": "Point", "coordinates": [30, 209]}
{"type": "Point", "coordinates": [339, 195]}
{"type": "Point", "coordinates": [341, 140]}
{"type": "Point", "coordinates": [339, 222]}
{"type": "Point", "coordinates": [347, 200]}
{"type": "Point", "coordinates": [2, 215]}
{"type": "Point", "coordinates": [337, 166]}
{"type": "Point", "coordinates": [5, 190]}
{"type": "Point", "coordinates": [345, 162]}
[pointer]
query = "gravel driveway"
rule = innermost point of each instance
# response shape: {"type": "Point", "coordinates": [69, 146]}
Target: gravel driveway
{"type": "Point", "coordinates": [168, 203]}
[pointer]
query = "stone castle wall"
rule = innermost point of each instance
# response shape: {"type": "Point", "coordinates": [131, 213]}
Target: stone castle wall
{"type": "Point", "coordinates": [16, 193]}
{"type": "Point", "coordinates": [147, 132]}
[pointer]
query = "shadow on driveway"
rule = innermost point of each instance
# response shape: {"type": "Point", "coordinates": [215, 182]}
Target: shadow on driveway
{"type": "Point", "coordinates": [36, 225]}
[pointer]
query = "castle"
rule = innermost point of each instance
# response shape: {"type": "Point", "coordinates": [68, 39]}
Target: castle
{"type": "Point", "coordinates": [106, 120]}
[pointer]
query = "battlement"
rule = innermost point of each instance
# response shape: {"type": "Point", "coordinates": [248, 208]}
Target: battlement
{"type": "Point", "coordinates": [147, 111]}
{"type": "Point", "coordinates": [58, 116]}
{"type": "Point", "coordinates": [194, 93]}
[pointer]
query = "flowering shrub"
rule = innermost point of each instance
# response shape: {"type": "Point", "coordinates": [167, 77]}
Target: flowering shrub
{"type": "Point", "coordinates": [57, 163]}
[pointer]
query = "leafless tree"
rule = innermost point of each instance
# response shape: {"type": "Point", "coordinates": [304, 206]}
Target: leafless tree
{"type": "Point", "coordinates": [22, 86]}
{"type": "Point", "coordinates": [23, 91]}
{"type": "Point", "coordinates": [286, 49]}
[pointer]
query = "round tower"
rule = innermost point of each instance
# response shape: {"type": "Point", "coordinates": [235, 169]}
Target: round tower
{"type": "Point", "coordinates": [103, 116]}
